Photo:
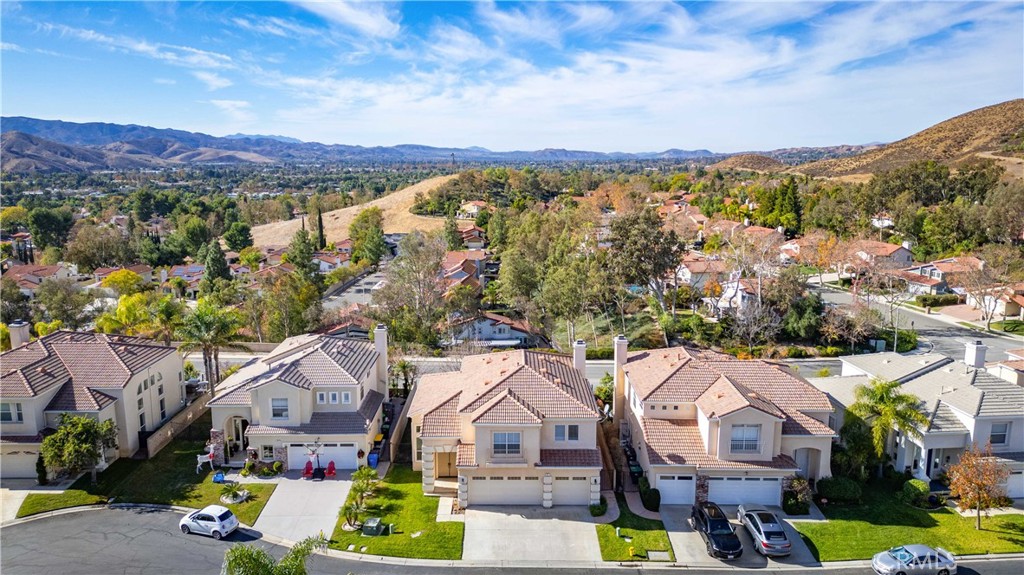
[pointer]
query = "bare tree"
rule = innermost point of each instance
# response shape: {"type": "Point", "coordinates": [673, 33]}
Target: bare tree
{"type": "Point", "coordinates": [756, 256]}
{"type": "Point", "coordinates": [886, 283]}
{"type": "Point", "coordinates": [984, 278]}
{"type": "Point", "coordinates": [756, 323]}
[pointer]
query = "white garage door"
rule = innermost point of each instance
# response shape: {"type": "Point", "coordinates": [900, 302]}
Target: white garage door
{"type": "Point", "coordinates": [677, 489]}
{"type": "Point", "coordinates": [1015, 485]}
{"type": "Point", "coordinates": [505, 490]}
{"type": "Point", "coordinates": [737, 490]}
{"type": "Point", "coordinates": [342, 454]}
{"type": "Point", "coordinates": [18, 465]}
{"type": "Point", "coordinates": [570, 490]}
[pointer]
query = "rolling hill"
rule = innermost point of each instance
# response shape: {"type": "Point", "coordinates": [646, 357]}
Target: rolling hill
{"type": "Point", "coordinates": [397, 217]}
{"type": "Point", "coordinates": [751, 162]}
{"type": "Point", "coordinates": [981, 131]}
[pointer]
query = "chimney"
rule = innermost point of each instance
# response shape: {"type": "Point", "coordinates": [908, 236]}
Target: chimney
{"type": "Point", "coordinates": [19, 333]}
{"type": "Point", "coordinates": [907, 244]}
{"type": "Point", "coordinates": [975, 354]}
{"type": "Point", "coordinates": [579, 356]}
{"type": "Point", "coordinates": [380, 343]}
{"type": "Point", "coordinates": [746, 222]}
{"type": "Point", "coordinates": [619, 393]}
{"type": "Point", "coordinates": [163, 276]}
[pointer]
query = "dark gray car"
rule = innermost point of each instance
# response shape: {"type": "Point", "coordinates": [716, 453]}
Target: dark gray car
{"type": "Point", "coordinates": [914, 559]}
{"type": "Point", "coordinates": [766, 530]}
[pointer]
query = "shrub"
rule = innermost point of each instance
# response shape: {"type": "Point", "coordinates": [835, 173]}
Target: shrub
{"type": "Point", "coordinates": [792, 505]}
{"type": "Point", "coordinates": [651, 498]}
{"type": "Point", "coordinates": [245, 472]}
{"type": "Point", "coordinates": [839, 489]}
{"type": "Point", "coordinates": [600, 508]}
{"type": "Point", "coordinates": [250, 465]}
{"type": "Point", "coordinates": [41, 476]}
{"type": "Point", "coordinates": [278, 466]}
{"type": "Point", "coordinates": [601, 353]}
{"type": "Point", "coordinates": [830, 351]}
{"type": "Point", "coordinates": [926, 300]}
{"type": "Point", "coordinates": [915, 491]}
{"type": "Point", "coordinates": [796, 352]}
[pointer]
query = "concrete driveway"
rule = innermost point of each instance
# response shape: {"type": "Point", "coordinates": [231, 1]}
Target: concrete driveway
{"type": "Point", "coordinates": [691, 550]}
{"type": "Point", "coordinates": [523, 533]}
{"type": "Point", "coordinates": [14, 491]}
{"type": "Point", "coordinates": [301, 508]}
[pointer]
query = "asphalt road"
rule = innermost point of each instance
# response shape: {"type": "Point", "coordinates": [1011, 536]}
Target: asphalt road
{"type": "Point", "coordinates": [142, 542]}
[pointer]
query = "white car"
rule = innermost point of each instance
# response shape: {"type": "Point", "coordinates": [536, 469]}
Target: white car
{"type": "Point", "coordinates": [213, 520]}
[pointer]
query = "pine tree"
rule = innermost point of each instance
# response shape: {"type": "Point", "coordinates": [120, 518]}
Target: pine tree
{"type": "Point", "coordinates": [321, 236]}
{"type": "Point", "coordinates": [216, 264]}
{"type": "Point", "coordinates": [451, 233]}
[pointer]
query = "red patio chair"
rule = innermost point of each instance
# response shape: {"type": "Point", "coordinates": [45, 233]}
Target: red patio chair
{"type": "Point", "coordinates": [308, 471]}
{"type": "Point", "coordinates": [331, 471]}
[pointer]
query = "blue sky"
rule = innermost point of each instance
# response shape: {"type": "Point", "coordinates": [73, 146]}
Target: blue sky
{"type": "Point", "coordinates": [626, 76]}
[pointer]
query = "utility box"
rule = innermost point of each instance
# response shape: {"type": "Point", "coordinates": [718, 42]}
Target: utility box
{"type": "Point", "coordinates": [372, 527]}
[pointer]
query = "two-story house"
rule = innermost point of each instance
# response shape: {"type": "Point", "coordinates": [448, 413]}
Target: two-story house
{"type": "Point", "coordinates": [510, 428]}
{"type": "Point", "coordinates": [709, 427]}
{"type": "Point", "coordinates": [30, 277]}
{"type": "Point", "coordinates": [488, 329]}
{"type": "Point", "coordinates": [135, 382]}
{"type": "Point", "coordinates": [313, 395]}
{"type": "Point", "coordinates": [939, 276]}
{"type": "Point", "coordinates": [874, 251]}
{"type": "Point", "coordinates": [965, 403]}
{"type": "Point", "coordinates": [697, 271]}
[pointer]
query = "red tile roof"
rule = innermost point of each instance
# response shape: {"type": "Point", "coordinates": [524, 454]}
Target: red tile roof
{"type": "Point", "coordinates": [570, 458]}
{"type": "Point", "coordinates": [507, 408]}
{"type": "Point", "coordinates": [466, 456]}
{"type": "Point", "coordinates": [678, 442]}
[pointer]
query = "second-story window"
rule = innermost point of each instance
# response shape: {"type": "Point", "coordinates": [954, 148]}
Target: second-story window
{"type": "Point", "coordinates": [11, 413]}
{"type": "Point", "coordinates": [346, 397]}
{"type": "Point", "coordinates": [507, 443]}
{"type": "Point", "coordinates": [746, 438]}
{"type": "Point", "coordinates": [321, 397]}
{"type": "Point", "coordinates": [334, 397]}
{"type": "Point", "coordinates": [279, 408]}
{"type": "Point", "coordinates": [999, 433]}
{"type": "Point", "coordinates": [567, 433]}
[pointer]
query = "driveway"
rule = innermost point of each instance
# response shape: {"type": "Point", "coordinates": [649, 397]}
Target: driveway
{"type": "Point", "coordinates": [14, 491]}
{"type": "Point", "coordinates": [522, 533]}
{"type": "Point", "coordinates": [301, 508]}
{"type": "Point", "coordinates": [691, 550]}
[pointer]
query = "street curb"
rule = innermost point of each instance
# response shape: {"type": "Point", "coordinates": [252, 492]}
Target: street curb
{"type": "Point", "coordinates": [274, 540]}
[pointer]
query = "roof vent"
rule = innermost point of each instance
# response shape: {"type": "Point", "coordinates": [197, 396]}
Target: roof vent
{"type": "Point", "coordinates": [43, 371]}
{"type": "Point", "coordinates": [719, 395]}
{"type": "Point", "coordinates": [753, 394]}
{"type": "Point", "coordinates": [558, 381]}
{"type": "Point", "coordinates": [503, 372]}
{"type": "Point", "coordinates": [886, 360]}
{"type": "Point", "coordinates": [488, 360]}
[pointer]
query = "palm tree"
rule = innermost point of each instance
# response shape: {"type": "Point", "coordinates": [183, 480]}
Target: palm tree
{"type": "Point", "coordinates": [252, 560]}
{"type": "Point", "coordinates": [210, 328]}
{"type": "Point", "coordinates": [885, 408]}
{"type": "Point", "coordinates": [407, 370]}
{"type": "Point", "coordinates": [127, 318]}
{"type": "Point", "coordinates": [165, 319]}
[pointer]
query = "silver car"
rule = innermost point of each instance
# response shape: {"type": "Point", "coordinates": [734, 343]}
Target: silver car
{"type": "Point", "coordinates": [914, 559]}
{"type": "Point", "coordinates": [213, 520]}
{"type": "Point", "coordinates": [766, 530]}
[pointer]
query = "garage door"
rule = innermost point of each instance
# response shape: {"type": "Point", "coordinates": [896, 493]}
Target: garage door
{"type": "Point", "coordinates": [505, 490]}
{"type": "Point", "coordinates": [570, 490]}
{"type": "Point", "coordinates": [677, 489]}
{"type": "Point", "coordinates": [1015, 485]}
{"type": "Point", "coordinates": [18, 465]}
{"type": "Point", "coordinates": [736, 490]}
{"type": "Point", "coordinates": [342, 454]}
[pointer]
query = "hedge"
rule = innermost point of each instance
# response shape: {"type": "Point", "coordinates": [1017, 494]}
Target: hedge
{"type": "Point", "coordinates": [792, 505]}
{"type": "Point", "coordinates": [915, 491]}
{"type": "Point", "coordinates": [839, 489]}
{"type": "Point", "coordinates": [927, 300]}
{"type": "Point", "coordinates": [651, 498]}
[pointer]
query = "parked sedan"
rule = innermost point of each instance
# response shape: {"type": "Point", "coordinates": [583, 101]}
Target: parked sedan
{"type": "Point", "coordinates": [213, 520]}
{"type": "Point", "coordinates": [711, 522]}
{"type": "Point", "coordinates": [914, 559]}
{"type": "Point", "coordinates": [766, 530]}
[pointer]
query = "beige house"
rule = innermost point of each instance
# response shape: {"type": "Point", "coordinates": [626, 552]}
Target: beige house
{"type": "Point", "coordinates": [313, 395]}
{"type": "Point", "coordinates": [510, 428]}
{"type": "Point", "coordinates": [709, 427]}
{"type": "Point", "coordinates": [135, 382]}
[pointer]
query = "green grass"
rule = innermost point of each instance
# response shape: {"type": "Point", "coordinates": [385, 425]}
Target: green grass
{"type": "Point", "coordinates": [169, 479]}
{"type": "Point", "coordinates": [1009, 326]}
{"type": "Point", "coordinates": [400, 501]}
{"type": "Point", "coordinates": [882, 522]}
{"type": "Point", "coordinates": [647, 535]}
{"type": "Point", "coordinates": [642, 330]}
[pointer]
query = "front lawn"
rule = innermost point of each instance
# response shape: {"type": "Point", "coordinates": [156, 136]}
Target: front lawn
{"type": "Point", "coordinates": [882, 522]}
{"type": "Point", "coordinates": [1009, 326]}
{"type": "Point", "coordinates": [170, 478]}
{"type": "Point", "coordinates": [400, 501]}
{"type": "Point", "coordinates": [646, 534]}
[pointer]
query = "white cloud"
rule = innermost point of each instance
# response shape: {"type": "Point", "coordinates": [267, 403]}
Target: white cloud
{"type": "Point", "coordinates": [238, 111]}
{"type": "Point", "coordinates": [185, 56]}
{"type": "Point", "coordinates": [373, 19]}
{"type": "Point", "coordinates": [532, 22]}
{"type": "Point", "coordinates": [212, 80]}
{"type": "Point", "coordinates": [275, 26]}
{"type": "Point", "coordinates": [164, 81]}
{"type": "Point", "coordinates": [9, 47]}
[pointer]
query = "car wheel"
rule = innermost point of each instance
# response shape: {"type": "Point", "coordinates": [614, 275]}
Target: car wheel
{"type": "Point", "coordinates": [185, 529]}
{"type": "Point", "coordinates": [901, 573]}
{"type": "Point", "coordinates": [943, 572]}
{"type": "Point", "coordinates": [217, 535]}
{"type": "Point", "coordinates": [710, 552]}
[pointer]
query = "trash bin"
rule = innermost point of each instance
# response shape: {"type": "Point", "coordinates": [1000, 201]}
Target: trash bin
{"type": "Point", "coordinates": [372, 459]}
{"type": "Point", "coordinates": [372, 526]}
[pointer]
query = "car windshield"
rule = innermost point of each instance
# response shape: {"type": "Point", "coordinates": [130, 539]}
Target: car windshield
{"type": "Point", "coordinates": [766, 518]}
{"type": "Point", "coordinates": [902, 555]}
{"type": "Point", "coordinates": [225, 516]}
{"type": "Point", "coordinates": [720, 528]}
{"type": "Point", "coordinates": [775, 536]}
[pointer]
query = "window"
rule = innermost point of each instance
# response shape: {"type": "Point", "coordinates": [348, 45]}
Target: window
{"type": "Point", "coordinates": [160, 389]}
{"type": "Point", "coordinates": [567, 433]}
{"type": "Point", "coordinates": [139, 390]}
{"type": "Point", "coordinates": [746, 438]}
{"type": "Point", "coordinates": [419, 445]}
{"type": "Point", "coordinates": [11, 413]}
{"type": "Point", "coordinates": [142, 421]}
{"type": "Point", "coordinates": [1000, 431]}
{"type": "Point", "coordinates": [346, 397]}
{"type": "Point", "coordinates": [180, 376]}
{"type": "Point", "coordinates": [163, 409]}
{"type": "Point", "coordinates": [321, 397]}
{"type": "Point", "coordinates": [279, 408]}
{"type": "Point", "coordinates": [506, 443]}
{"type": "Point", "coordinates": [160, 376]}
{"type": "Point", "coordinates": [267, 452]}
{"type": "Point", "coordinates": [140, 404]}
{"type": "Point", "coordinates": [334, 397]}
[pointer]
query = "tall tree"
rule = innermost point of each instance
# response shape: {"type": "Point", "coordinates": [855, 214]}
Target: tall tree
{"type": "Point", "coordinates": [411, 300]}
{"type": "Point", "coordinates": [886, 408]}
{"type": "Point", "coordinates": [62, 299]}
{"type": "Point", "coordinates": [238, 236]}
{"type": "Point", "coordinates": [451, 232]}
{"type": "Point", "coordinates": [78, 443]}
{"type": "Point", "coordinates": [300, 255]}
{"type": "Point", "coordinates": [129, 317]}
{"type": "Point", "coordinates": [165, 318]}
{"type": "Point", "coordinates": [986, 283]}
{"type": "Point", "coordinates": [49, 227]}
{"type": "Point", "coordinates": [293, 306]}
{"type": "Point", "coordinates": [14, 305]}
{"type": "Point", "coordinates": [642, 252]}
{"type": "Point", "coordinates": [364, 228]}
{"type": "Point", "coordinates": [124, 282]}
{"type": "Point", "coordinates": [978, 480]}
{"type": "Point", "coordinates": [208, 329]}
{"type": "Point", "coordinates": [216, 264]}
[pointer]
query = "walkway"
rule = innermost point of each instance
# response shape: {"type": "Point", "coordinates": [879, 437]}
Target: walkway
{"type": "Point", "coordinates": [301, 508]}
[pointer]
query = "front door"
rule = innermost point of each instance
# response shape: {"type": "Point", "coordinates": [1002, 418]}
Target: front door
{"type": "Point", "coordinates": [445, 464]}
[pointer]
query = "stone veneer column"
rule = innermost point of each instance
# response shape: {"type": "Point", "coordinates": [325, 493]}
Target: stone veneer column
{"type": "Point", "coordinates": [701, 489]}
{"type": "Point", "coordinates": [428, 469]}
{"type": "Point", "coordinates": [217, 439]}
{"type": "Point", "coordinates": [548, 500]}
{"type": "Point", "coordinates": [463, 492]}
{"type": "Point", "coordinates": [595, 490]}
{"type": "Point", "coordinates": [281, 454]}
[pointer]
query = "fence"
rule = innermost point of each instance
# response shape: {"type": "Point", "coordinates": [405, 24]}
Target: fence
{"type": "Point", "coordinates": [398, 427]}
{"type": "Point", "coordinates": [168, 431]}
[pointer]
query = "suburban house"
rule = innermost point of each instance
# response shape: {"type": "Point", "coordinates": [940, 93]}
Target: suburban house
{"type": "Point", "coordinates": [1012, 368]}
{"type": "Point", "coordinates": [697, 271]}
{"type": "Point", "coordinates": [135, 382]}
{"type": "Point", "coordinates": [473, 237]}
{"type": "Point", "coordinates": [882, 220]}
{"type": "Point", "coordinates": [30, 277]}
{"type": "Point", "coordinates": [144, 271]}
{"type": "Point", "coordinates": [939, 276]}
{"type": "Point", "coordinates": [315, 394]}
{"type": "Point", "coordinates": [492, 330]}
{"type": "Point", "coordinates": [327, 262]}
{"type": "Point", "coordinates": [873, 251]}
{"type": "Point", "coordinates": [738, 293]}
{"type": "Point", "coordinates": [464, 268]}
{"type": "Point", "coordinates": [470, 210]}
{"type": "Point", "coordinates": [1002, 302]}
{"type": "Point", "coordinates": [191, 274]}
{"type": "Point", "coordinates": [509, 428]}
{"type": "Point", "coordinates": [709, 427]}
{"type": "Point", "coordinates": [965, 402]}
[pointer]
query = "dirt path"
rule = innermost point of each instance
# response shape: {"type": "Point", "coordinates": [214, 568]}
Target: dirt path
{"type": "Point", "coordinates": [397, 217]}
{"type": "Point", "coordinates": [1014, 166]}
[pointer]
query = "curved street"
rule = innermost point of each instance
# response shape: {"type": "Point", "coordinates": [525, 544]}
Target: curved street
{"type": "Point", "coordinates": [143, 542]}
